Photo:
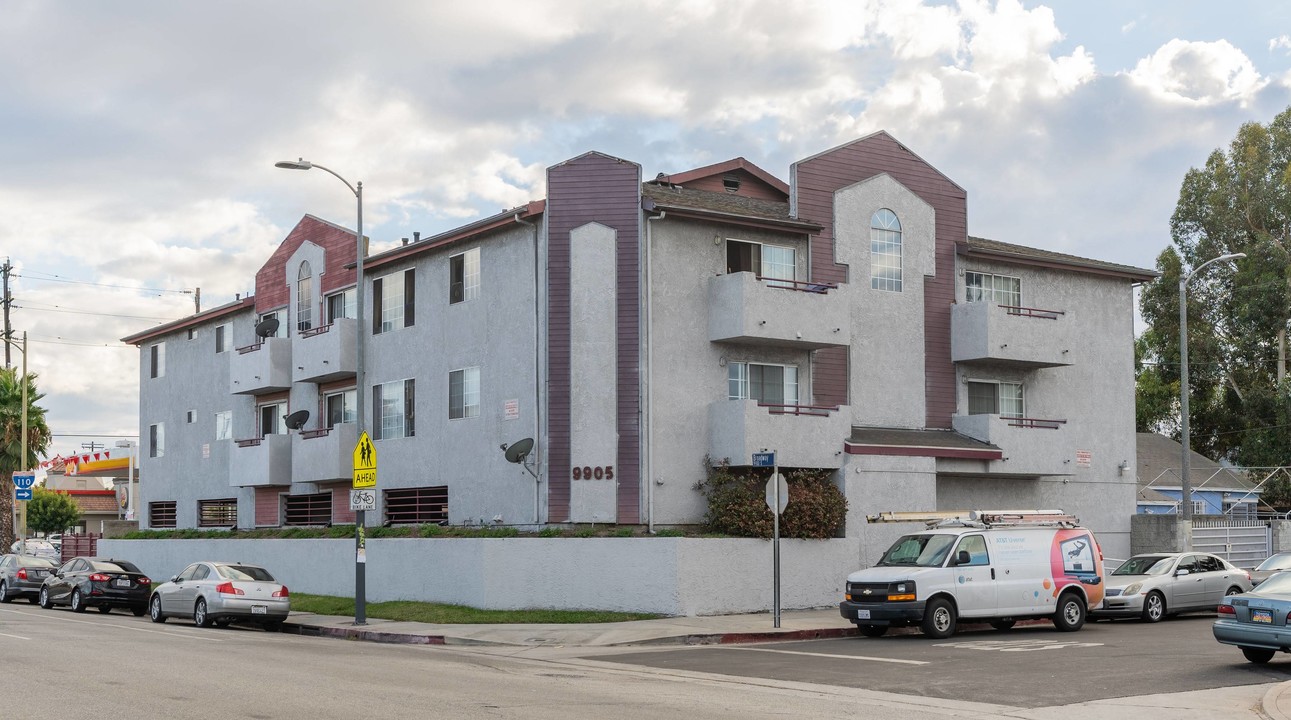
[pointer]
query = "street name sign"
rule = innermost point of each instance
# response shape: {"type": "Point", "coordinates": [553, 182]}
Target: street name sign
{"type": "Point", "coordinates": [764, 459]}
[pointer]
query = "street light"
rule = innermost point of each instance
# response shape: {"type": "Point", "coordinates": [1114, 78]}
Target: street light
{"type": "Point", "coordinates": [1186, 484]}
{"type": "Point", "coordinates": [360, 561]}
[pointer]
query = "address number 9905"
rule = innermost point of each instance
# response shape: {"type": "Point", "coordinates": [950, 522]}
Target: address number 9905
{"type": "Point", "coordinates": [588, 472]}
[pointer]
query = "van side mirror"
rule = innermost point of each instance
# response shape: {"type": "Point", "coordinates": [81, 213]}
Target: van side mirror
{"type": "Point", "coordinates": [963, 558]}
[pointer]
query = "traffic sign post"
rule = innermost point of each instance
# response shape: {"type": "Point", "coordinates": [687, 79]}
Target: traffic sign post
{"type": "Point", "coordinates": [777, 500]}
{"type": "Point", "coordinates": [362, 499]}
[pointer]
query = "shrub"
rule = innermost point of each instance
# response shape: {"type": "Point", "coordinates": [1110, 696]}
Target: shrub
{"type": "Point", "coordinates": [737, 502]}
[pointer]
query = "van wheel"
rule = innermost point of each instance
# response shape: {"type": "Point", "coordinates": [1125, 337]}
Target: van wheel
{"type": "Point", "coordinates": [1070, 615]}
{"type": "Point", "coordinates": [938, 619]}
{"type": "Point", "coordinates": [1003, 625]}
{"type": "Point", "coordinates": [873, 630]}
{"type": "Point", "coordinates": [1259, 656]}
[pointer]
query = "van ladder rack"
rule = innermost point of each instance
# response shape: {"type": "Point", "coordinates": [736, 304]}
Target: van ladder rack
{"type": "Point", "coordinates": [979, 518]}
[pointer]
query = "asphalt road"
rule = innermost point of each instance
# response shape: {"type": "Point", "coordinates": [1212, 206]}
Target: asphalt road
{"type": "Point", "coordinates": [1029, 667]}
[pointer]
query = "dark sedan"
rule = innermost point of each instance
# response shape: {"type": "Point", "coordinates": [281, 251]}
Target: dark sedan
{"type": "Point", "coordinates": [22, 576]}
{"type": "Point", "coordinates": [104, 583]}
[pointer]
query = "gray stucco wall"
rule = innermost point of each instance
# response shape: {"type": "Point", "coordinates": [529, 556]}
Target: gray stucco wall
{"type": "Point", "coordinates": [670, 576]}
{"type": "Point", "coordinates": [593, 392]}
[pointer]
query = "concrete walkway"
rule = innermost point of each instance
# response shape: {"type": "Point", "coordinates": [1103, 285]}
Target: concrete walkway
{"type": "Point", "coordinates": [709, 630]}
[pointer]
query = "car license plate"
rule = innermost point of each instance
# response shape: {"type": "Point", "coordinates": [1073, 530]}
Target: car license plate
{"type": "Point", "coordinates": [259, 609]}
{"type": "Point", "coordinates": [1262, 616]}
{"type": "Point", "coordinates": [862, 614]}
{"type": "Point", "coordinates": [121, 582]}
{"type": "Point", "coordinates": [41, 573]}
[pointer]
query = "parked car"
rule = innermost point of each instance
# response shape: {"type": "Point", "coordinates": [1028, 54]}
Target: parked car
{"type": "Point", "coordinates": [1154, 585]}
{"type": "Point", "coordinates": [22, 575]}
{"type": "Point", "coordinates": [36, 548]}
{"type": "Point", "coordinates": [104, 583]}
{"type": "Point", "coordinates": [1274, 563]}
{"type": "Point", "coordinates": [1256, 621]}
{"type": "Point", "coordinates": [217, 593]}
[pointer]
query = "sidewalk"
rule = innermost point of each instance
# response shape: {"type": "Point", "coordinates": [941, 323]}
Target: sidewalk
{"type": "Point", "coordinates": [709, 630]}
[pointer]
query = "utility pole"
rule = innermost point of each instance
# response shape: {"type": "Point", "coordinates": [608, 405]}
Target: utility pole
{"type": "Point", "coordinates": [8, 332]}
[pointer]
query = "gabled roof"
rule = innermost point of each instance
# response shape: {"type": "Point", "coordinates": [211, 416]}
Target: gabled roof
{"type": "Point", "coordinates": [720, 206]}
{"type": "Point", "coordinates": [976, 247]}
{"type": "Point", "coordinates": [190, 321]}
{"type": "Point", "coordinates": [867, 139]}
{"type": "Point", "coordinates": [724, 168]}
{"type": "Point", "coordinates": [521, 213]}
{"type": "Point", "coordinates": [1159, 458]}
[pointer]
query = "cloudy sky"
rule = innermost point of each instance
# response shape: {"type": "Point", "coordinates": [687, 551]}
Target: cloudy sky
{"type": "Point", "coordinates": [137, 139]}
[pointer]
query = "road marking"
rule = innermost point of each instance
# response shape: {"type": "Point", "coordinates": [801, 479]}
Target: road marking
{"type": "Point", "coordinates": [16, 637]}
{"type": "Point", "coordinates": [830, 655]}
{"type": "Point", "coordinates": [1018, 645]}
{"type": "Point", "coordinates": [53, 616]}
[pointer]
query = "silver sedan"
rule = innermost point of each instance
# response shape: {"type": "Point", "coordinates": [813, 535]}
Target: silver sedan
{"type": "Point", "coordinates": [1154, 585]}
{"type": "Point", "coordinates": [217, 593]}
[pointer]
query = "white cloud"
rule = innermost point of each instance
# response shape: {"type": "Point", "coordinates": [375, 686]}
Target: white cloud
{"type": "Point", "coordinates": [1199, 72]}
{"type": "Point", "coordinates": [1281, 42]}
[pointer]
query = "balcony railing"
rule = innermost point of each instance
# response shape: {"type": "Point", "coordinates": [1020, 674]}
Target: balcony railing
{"type": "Point", "coordinates": [1011, 334]}
{"type": "Point", "coordinates": [818, 410]}
{"type": "Point", "coordinates": [745, 308]}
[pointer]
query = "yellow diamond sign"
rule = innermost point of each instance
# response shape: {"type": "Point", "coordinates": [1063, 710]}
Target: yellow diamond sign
{"type": "Point", "coordinates": [365, 463]}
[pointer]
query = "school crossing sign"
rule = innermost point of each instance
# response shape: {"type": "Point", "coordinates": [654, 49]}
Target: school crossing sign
{"type": "Point", "coordinates": [365, 463]}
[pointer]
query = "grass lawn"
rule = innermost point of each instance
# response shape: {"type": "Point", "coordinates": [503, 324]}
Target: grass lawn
{"type": "Point", "coordinates": [411, 611]}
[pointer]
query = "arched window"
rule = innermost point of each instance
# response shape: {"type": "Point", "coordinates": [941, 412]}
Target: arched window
{"type": "Point", "coordinates": [885, 251]}
{"type": "Point", "coordinates": [304, 298]}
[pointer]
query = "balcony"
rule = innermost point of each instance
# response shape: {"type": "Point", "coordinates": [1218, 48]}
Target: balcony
{"type": "Point", "coordinates": [324, 455]}
{"type": "Point", "coordinates": [801, 435]}
{"type": "Point", "coordinates": [1010, 335]}
{"type": "Point", "coordinates": [744, 308]}
{"type": "Point", "coordinates": [261, 368]}
{"type": "Point", "coordinates": [325, 353]}
{"type": "Point", "coordinates": [1032, 447]}
{"type": "Point", "coordinates": [261, 462]}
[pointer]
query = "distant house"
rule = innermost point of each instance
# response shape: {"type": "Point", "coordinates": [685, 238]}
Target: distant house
{"type": "Point", "coordinates": [1216, 490]}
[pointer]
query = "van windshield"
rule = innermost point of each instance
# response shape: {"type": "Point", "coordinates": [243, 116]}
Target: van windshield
{"type": "Point", "coordinates": [919, 550]}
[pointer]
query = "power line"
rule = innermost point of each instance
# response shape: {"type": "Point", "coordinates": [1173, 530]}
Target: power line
{"type": "Point", "coordinates": [86, 312]}
{"type": "Point", "coordinates": [113, 346]}
{"type": "Point", "coordinates": [59, 278]}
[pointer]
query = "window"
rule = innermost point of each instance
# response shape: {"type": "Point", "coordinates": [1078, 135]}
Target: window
{"type": "Point", "coordinates": [340, 408]}
{"type": "Point", "coordinates": [157, 360]}
{"type": "Point", "coordinates": [885, 251]}
{"type": "Point", "coordinates": [464, 276]}
{"type": "Point", "coordinates": [191, 416]}
{"type": "Point", "coordinates": [343, 304]}
{"type": "Point", "coordinates": [217, 513]}
{"type": "Point", "coordinates": [157, 440]}
{"type": "Point", "coordinates": [271, 419]}
{"type": "Point", "coordinates": [304, 298]}
{"type": "Point", "coordinates": [392, 405]}
{"type": "Point", "coordinates": [975, 546]}
{"type": "Point", "coordinates": [998, 289]}
{"type": "Point", "coordinates": [279, 330]}
{"type": "Point", "coordinates": [421, 505]}
{"type": "Point", "coordinates": [768, 261]}
{"type": "Point", "coordinates": [770, 384]}
{"type": "Point", "coordinates": [393, 298]}
{"type": "Point", "coordinates": [315, 509]}
{"type": "Point", "coordinates": [464, 393]}
{"type": "Point", "coordinates": [995, 398]}
{"type": "Point", "coordinates": [221, 338]}
{"type": "Point", "coordinates": [161, 514]}
{"type": "Point", "coordinates": [190, 333]}
{"type": "Point", "coordinates": [224, 425]}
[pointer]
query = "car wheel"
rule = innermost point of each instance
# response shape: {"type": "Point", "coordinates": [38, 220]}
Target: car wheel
{"type": "Point", "coordinates": [44, 598]}
{"type": "Point", "coordinates": [872, 630]}
{"type": "Point", "coordinates": [1233, 591]}
{"type": "Point", "coordinates": [939, 619]}
{"type": "Point", "coordinates": [222, 622]}
{"type": "Point", "coordinates": [4, 592]}
{"type": "Point", "coordinates": [1003, 625]}
{"type": "Point", "coordinates": [154, 610]}
{"type": "Point", "coordinates": [1153, 607]}
{"type": "Point", "coordinates": [1070, 615]}
{"type": "Point", "coordinates": [273, 626]}
{"type": "Point", "coordinates": [105, 609]}
{"type": "Point", "coordinates": [200, 618]}
{"type": "Point", "coordinates": [78, 602]}
{"type": "Point", "coordinates": [1259, 656]}
{"type": "Point", "coordinates": [138, 610]}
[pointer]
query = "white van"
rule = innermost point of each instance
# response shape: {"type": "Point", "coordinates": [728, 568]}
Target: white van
{"type": "Point", "coordinates": [984, 566]}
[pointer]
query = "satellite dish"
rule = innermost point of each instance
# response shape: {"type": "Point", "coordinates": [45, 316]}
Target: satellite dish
{"type": "Point", "coordinates": [267, 327]}
{"type": "Point", "coordinates": [519, 450]}
{"type": "Point", "coordinates": [296, 420]}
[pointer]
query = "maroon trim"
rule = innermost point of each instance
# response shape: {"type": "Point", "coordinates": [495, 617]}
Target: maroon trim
{"type": "Point", "coordinates": [213, 314]}
{"type": "Point", "coordinates": [1091, 268]}
{"type": "Point", "coordinates": [603, 189]}
{"type": "Point", "coordinates": [475, 230]}
{"type": "Point", "coordinates": [918, 451]}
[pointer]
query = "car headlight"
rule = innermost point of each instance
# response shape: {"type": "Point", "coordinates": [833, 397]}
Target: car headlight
{"type": "Point", "coordinates": [901, 591]}
{"type": "Point", "coordinates": [1133, 589]}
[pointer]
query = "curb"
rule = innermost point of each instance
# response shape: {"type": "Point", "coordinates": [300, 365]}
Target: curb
{"type": "Point", "coordinates": [1269, 704]}
{"type": "Point", "coordinates": [363, 635]}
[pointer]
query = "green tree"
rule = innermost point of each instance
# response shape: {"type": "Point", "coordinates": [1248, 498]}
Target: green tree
{"type": "Point", "coordinates": [51, 511]}
{"type": "Point", "coordinates": [1240, 399]}
{"type": "Point", "coordinates": [38, 438]}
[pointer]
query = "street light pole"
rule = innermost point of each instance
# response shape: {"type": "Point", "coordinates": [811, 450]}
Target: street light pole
{"type": "Point", "coordinates": [360, 516]}
{"type": "Point", "coordinates": [1186, 470]}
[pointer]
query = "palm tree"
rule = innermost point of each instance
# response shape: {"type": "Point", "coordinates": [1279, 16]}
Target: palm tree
{"type": "Point", "coordinates": [11, 459]}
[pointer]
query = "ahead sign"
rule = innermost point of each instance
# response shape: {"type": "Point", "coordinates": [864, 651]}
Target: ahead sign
{"type": "Point", "coordinates": [365, 463]}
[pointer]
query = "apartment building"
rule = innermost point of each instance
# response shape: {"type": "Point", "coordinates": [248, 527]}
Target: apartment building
{"type": "Point", "coordinates": [844, 319]}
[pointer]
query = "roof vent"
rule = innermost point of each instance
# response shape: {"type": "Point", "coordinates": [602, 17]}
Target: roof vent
{"type": "Point", "coordinates": [416, 236]}
{"type": "Point", "coordinates": [731, 183]}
